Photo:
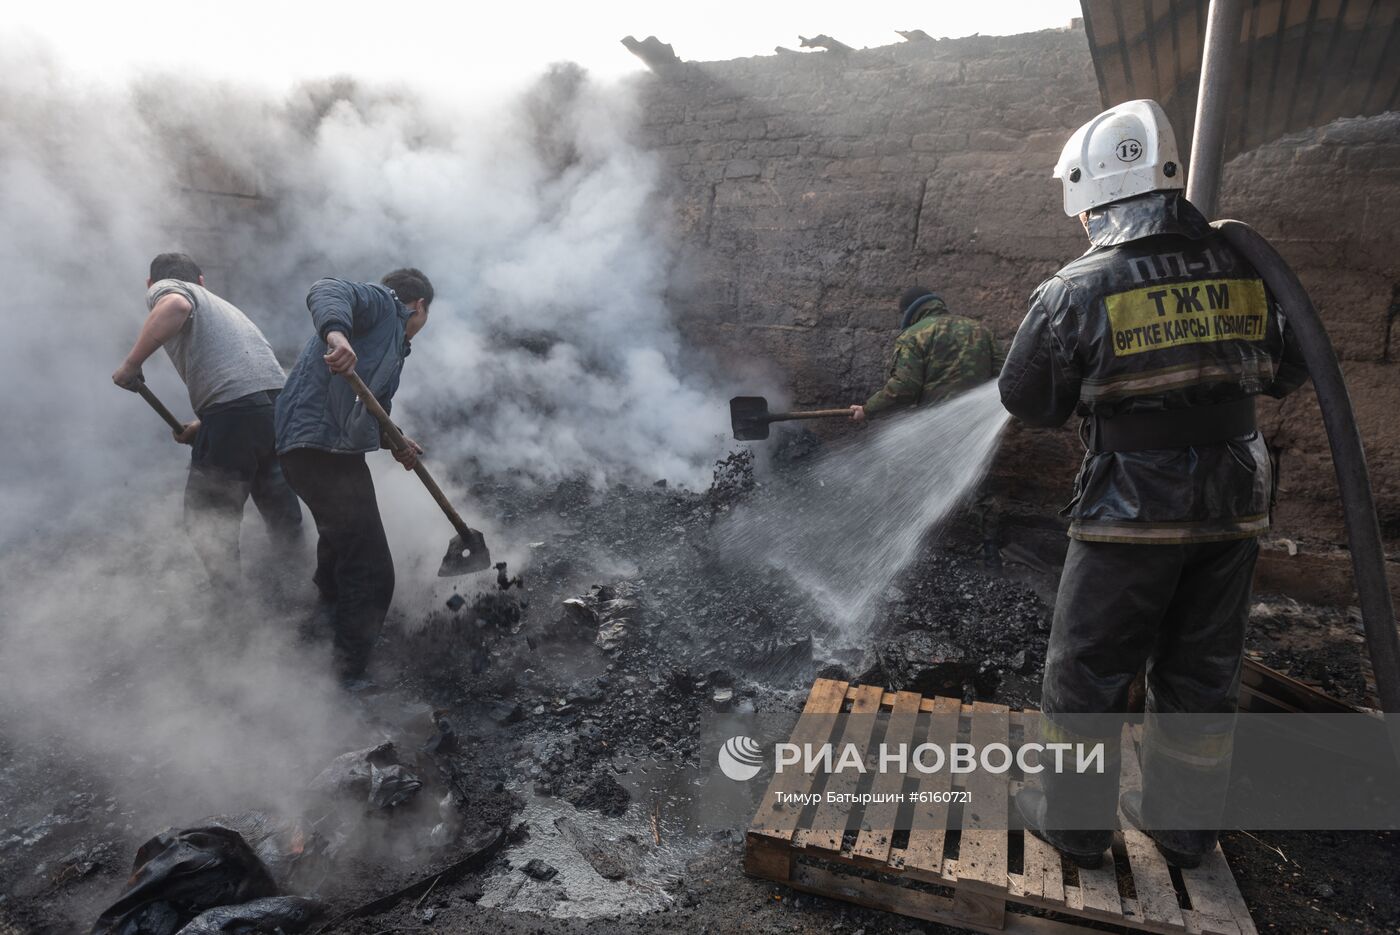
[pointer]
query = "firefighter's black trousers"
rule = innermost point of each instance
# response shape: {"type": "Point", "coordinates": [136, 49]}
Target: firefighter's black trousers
{"type": "Point", "coordinates": [1180, 610]}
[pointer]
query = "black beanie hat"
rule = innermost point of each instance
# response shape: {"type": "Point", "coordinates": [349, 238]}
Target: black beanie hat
{"type": "Point", "coordinates": [912, 295]}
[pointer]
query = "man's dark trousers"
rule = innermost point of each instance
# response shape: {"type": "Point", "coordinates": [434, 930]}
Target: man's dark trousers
{"type": "Point", "coordinates": [234, 456]}
{"type": "Point", "coordinates": [354, 570]}
{"type": "Point", "coordinates": [1181, 610]}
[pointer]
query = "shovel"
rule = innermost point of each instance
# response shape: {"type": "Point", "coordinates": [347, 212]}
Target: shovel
{"type": "Point", "coordinates": [467, 552]}
{"type": "Point", "coordinates": [750, 418]}
{"type": "Point", "coordinates": [175, 424]}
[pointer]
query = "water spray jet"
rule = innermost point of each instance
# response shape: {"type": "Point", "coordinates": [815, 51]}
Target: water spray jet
{"type": "Point", "coordinates": [844, 527]}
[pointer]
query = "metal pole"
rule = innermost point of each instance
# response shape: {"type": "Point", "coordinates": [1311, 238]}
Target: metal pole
{"type": "Point", "coordinates": [1212, 104]}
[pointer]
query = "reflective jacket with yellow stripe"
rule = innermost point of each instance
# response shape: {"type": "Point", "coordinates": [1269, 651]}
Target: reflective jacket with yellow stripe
{"type": "Point", "coordinates": [1159, 314]}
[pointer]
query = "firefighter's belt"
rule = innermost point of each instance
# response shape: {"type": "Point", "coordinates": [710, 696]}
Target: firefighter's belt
{"type": "Point", "coordinates": [1171, 428]}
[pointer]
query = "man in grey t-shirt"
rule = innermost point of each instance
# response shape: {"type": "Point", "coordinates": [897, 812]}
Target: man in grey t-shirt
{"type": "Point", "coordinates": [233, 379]}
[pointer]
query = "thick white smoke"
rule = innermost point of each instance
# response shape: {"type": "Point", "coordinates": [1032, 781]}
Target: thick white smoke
{"type": "Point", "coordinates": [549, 354]}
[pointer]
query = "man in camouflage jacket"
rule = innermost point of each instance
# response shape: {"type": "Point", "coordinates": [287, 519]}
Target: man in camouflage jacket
{"type": "Point", "coordinates": [936, 356]}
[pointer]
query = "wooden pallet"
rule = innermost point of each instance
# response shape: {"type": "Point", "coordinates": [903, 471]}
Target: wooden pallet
{"type": "Point", "coordinates": [1269, 691]}
{"type": "Point", "coordinates": [983, 877]}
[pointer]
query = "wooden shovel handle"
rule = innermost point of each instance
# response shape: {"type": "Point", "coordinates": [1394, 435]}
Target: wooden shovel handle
{"type": "Point", "coordinates": [175, 424]}
{"type": "Point", "coordinates": [809, 414]}
{"type": "Point", "coordinates": [399, 443]}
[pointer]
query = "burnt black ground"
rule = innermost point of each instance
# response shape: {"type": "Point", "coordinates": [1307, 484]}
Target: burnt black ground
{"type": "Point", "coordinates": [538, 708]}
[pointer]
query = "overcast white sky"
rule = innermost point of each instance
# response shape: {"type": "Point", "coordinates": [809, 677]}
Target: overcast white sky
{"type": "Point", "coordinates": [482, 44]}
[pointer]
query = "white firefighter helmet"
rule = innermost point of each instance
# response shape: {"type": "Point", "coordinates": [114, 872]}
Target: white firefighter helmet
{"type": "Point", "coordinates": [1125, 151]}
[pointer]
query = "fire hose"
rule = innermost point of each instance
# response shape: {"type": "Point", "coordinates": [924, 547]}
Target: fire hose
{"type": "Point", "coordinates": [1348, 458]}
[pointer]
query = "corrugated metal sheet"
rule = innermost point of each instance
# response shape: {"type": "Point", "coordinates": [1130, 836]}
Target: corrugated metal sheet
{"type": "Point", "coordinates": [1302, 63]}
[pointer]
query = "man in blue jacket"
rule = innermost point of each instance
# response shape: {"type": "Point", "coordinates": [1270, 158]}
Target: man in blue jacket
{"type": "Point", "coordinates": [323, 432]}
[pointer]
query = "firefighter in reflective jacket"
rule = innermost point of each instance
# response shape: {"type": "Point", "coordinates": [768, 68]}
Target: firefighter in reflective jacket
{"type": "Point", "coordinates": [1159, 338]}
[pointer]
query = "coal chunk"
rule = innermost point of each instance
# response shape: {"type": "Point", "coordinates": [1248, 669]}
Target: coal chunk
{"type": "Point", "coordinates": [733, 479]}
{"type": "Point", "coordinates": [605, 857]}
{"type": "Point", "coordinates": [507, 712]}
{"type": "Point", "coordinates": [539, 870]}
{"type": "Point", "coordinates": [602, 793]}
{"type": "Point", "coordinates": [444, 739]}
{"type": "Point", "coordinates": [920, 661]}
{"type": "Point", "coordinates": [607, 612]}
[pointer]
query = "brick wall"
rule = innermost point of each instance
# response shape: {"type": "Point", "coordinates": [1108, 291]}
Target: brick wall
{"type": "Point", "coordinates": [1329, 199]}
{"type": "Point", "coordinates": [810, 190]}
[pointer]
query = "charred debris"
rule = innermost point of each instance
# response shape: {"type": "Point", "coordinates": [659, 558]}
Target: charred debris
{"type": "Point", "coordinates": [522, 736]}
{"type": "Point", "coordinates": [573, 682]}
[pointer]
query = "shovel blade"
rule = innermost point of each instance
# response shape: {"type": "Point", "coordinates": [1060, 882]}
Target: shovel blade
{"type": "Point", "coordinates": [465, 554]}
{"type": "Point", "coordinates": [748, 417]}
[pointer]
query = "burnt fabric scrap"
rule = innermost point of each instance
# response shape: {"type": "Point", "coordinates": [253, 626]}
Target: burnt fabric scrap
{"type": "Point", "coordinates": [373, 774]}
